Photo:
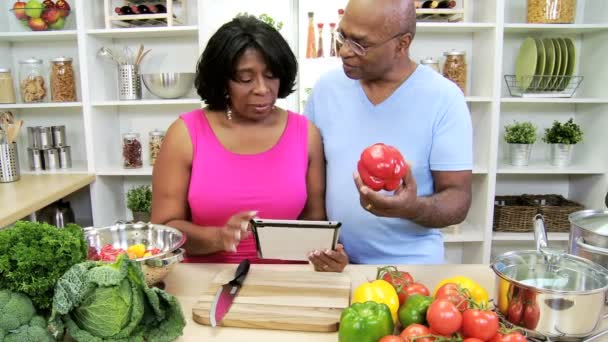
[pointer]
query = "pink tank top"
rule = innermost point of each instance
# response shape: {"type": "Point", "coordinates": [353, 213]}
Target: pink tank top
{"type": "Point", "coordinates": [223, 183]}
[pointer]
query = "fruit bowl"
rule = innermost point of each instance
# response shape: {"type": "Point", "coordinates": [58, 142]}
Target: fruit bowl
{"type": "Point", "coordinates": [42, 16]}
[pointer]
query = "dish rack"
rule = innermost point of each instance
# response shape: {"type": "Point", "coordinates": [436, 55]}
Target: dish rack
{"type": "Point", "coordinates": [176, 14]}
{"type": "Point", "coordinates": [543, 85]}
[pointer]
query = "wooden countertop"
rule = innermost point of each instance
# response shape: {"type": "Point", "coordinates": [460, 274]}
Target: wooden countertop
{"type": "Point", "coordinates": [33, 192]}
{"type": "Point", "coordinates": [187, 281]}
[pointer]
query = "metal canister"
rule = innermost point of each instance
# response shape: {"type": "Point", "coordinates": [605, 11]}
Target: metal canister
{"type": "Point", "coordinates": [58, 136]}
{"type": "Point", "coordinates": [33, 137]}
{"type": "Point", "coordinates": [46, 138]}
{"type": "Point", "coordinates": [65, 157]}
{"type": "Point", "coordinates": [9, 163]}
{"type": "Point", "coordinates": [50, 157]}
{"type": "Point", "coordinates": [34, 157]}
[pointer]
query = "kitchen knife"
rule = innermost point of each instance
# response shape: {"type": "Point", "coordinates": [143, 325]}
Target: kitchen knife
{"type": "Point", "coordinates": [225, 294]}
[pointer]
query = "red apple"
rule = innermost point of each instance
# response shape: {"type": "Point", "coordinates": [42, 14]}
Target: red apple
{"type": "Point", "coordinates": [51, 15]}
{"type": "Point", "coordinates": [19, 10]}
{"type": "Point", "coordinates": [48, 4]}
{"type": "Point", "coordinates": [37, 24]}
{"type": "Point", "coordinates": [64, 7]}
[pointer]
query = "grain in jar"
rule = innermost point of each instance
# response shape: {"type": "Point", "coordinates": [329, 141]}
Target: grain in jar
{"type": "Point", "coordinates": [7, 92]}
{"type": "Point", "coordinates": [455, 68]}
{"type": "Point", "coordinates": [63, 82]}
{"type": "Point", "coordinates": [156, 138]}
{"type": "Point", "coordinates": [551, 11]}
{"type": "Point", "coordinates": [431, 63]}
{"type": "Point", "coordinates": [131, 150]}
{"type": "Point", "coordinates": [32, 87]}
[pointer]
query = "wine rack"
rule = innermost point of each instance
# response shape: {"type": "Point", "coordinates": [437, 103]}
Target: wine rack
{"type": "Point", "coordinates": [138, 13]}
{"type": "Point", "coordinates": [454, 13]}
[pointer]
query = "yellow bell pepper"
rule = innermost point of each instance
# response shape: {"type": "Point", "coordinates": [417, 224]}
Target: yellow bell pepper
{"type": "Point", "coordinates": [379, 291]}
{"type": "Point", "coordinates": [478, 293]}
{"type": "Point", "coordinates": [139, 250]}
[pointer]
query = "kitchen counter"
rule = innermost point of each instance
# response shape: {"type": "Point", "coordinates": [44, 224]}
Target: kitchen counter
{"type": "Point", "coordinates": [33, 192]}
{"type": "Point", "coordinates": [187, 282]}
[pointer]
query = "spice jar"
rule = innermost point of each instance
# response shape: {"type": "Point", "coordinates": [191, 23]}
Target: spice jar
{"type": "Point", "coordinates": [431, 63]}
{"type": "Point", "coordinates": [455, 68]}
{"type": "Point", "coordinates": [31, 80]}
{"type": "Point", "coordinates": [155, 141]}
{"type": "Point", "coordinates": [131, 150]}
{"type": "Point", "coordinates": [63, 84]}
{"type": "Point", "coordinates": [7, 92]}
{"type": "Point", "coordinates": [551, 11]}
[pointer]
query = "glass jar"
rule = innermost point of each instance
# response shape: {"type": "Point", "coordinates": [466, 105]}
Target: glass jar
{"type": "Point", "coordinates": [431, 63]}
{"type": "Point", "coordinates": [455, 68]}
{"type": "Point", "coordinates": [131, 150]}
{"type": "Point", "coordinates": [63, 83]}
{"type": "Point", "coordinates": [31, 80]}
{"type": "Point", "coordinates": [551, 11]}
{"type": "Point", "coordinates": [7, 91]}
{"type": "Point", "coordinates": [156, 138]}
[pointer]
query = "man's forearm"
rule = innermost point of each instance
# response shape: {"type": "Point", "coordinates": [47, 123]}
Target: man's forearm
{"type": "Point", "coordinates": [442, 209]}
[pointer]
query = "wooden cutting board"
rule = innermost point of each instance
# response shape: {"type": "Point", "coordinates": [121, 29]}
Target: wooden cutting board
{"type": "Point", "coordinates": [281, 300]}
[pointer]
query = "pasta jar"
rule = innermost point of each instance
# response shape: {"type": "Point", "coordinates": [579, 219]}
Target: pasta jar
{"type": "Point", "coordinates": [551, 11]}
{"type": "Point", "coordinates": [32, 86]}
{"type": "Point", "coordinates": [155, 141]}
{"type": "Point", "coordinates": [63, 83]}
{"type": "Point", "coordinates": [455, 68]}
{"type": "Point", "coordinates": [131, 150]}
{"type": "Point", "coordinates": [7, 92]}
{"type": "Point", "coordinates": [431, 63]}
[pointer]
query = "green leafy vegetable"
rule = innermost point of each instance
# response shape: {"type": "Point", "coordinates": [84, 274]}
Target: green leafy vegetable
{"type": "Point", "coordinates": [18, 320]}
{"type": "Point", "coordinates": [34, 255]}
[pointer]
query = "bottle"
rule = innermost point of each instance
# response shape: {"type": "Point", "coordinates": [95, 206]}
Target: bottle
{"type": "Point", "coordinates": [124, 10]}
{"type": "Point", "coordinates": [159, 8]}
{"type": "Point", "coordinates": [143, 9]}
{"type": "Point", "coordinates": [311, 49]}
{"type": "Point", "coordinates": [320, 45]}
{"type": "Point", "coordinates": [430, 4]}
{"type": "Point", "coordinates": [447, 4]}
{"type": "Point", "coordinates": [338, 44]}
{"type": "Point", "coordinates": [7, 91]}
{"type": "Point", "coordinates": [332, 43]}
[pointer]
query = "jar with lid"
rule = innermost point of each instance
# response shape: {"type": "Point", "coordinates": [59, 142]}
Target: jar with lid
{"type": "Point", "coordinates": [63, 83]}
{"type": "Point", "coordinates": [32, 86]}
{"type": "Point", "coordinates": [156, 138]}
{"type": "Point", "coordinates": [431, 63]}
{"type": "Point", "coordinates": [7, 92]}
{"type": "Point", "coordinates": [551, 11]}
{"type": "Point", "coordinates": [131, 150]}
{"type": "Point", "coordinates": [455, 68]}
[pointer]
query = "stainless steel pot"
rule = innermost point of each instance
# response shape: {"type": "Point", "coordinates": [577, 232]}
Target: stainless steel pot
{"type": "Point", "coordinates": [550, 293]}
{"type": "Point", "coordinates": [589, 235]}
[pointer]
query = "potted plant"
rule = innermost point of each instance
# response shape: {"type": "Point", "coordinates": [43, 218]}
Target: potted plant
{"type": "Point", "coordinates": [520, 136]}
{"type": "Point", "coordinates": [139, 201]}
{"type": "Point", "coordinates": [562, 137]}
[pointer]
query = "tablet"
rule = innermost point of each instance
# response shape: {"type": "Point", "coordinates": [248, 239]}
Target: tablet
{"type": "Point", "coordinates": [293, 240]}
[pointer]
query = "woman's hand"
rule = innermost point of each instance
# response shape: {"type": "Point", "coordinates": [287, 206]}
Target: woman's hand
{"type": "Point", "coordinates": [328, 260]}
{"type": "Point", "coordinates": [236, 229]}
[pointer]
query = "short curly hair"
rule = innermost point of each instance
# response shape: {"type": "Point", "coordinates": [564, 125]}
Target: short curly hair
{"type": "Point", "coordinates": [217, 64]}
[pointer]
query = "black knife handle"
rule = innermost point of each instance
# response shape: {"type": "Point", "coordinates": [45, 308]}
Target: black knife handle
{"type": "Point", "coordinates": [241, 272]}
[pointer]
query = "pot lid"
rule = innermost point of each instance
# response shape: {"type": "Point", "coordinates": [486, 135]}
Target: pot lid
{"type": "Point", "coordinates": [595, 221]}
{"type": "Point", "coordinates": [551, 270]}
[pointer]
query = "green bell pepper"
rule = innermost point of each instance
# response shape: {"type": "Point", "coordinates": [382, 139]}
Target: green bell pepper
{"type": "Point", "coordinates": [414, 310]}
{"type": "Point", "coordinates": [365, 322]}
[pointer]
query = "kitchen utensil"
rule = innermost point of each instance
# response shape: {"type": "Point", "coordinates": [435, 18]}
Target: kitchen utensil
{"type": "Point", "coordinates": [555, 289]}
{"type": "Point", "coordinates": [13, 131]}
{"type": "Point", "coordinates": [281, 299]}
{"type": "Point", "coordinates": [9, 163]}
{"type": "Point", "coordinates": [129, 58]}
{"type": "Point", "coordinates": [107, 53]}
{"type": "Point", "coordinates": [129, 82]}
{"type": "Point", "coordinates": [589, 235]}
{"type": "Point", "coordinates": [140, 51]}
{"type": "Point", "coordinates": [169, 85]}
{"type": "Point", "coordinates": [141, 57]}
{"type": "Point", "coordinates": [225, 295]}
{"type": "Point", "coordinates": [525, 64]}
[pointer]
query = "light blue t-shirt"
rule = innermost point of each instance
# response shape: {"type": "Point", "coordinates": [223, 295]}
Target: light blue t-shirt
{"type": "Point", "coordinates": [427, 119]}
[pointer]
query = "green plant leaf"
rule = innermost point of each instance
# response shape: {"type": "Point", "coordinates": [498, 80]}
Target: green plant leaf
{"type": "Point", "coordinates": [520, 133]}
{"type": "Point", "coordinates": [563, 133]}
{"type": "Point", "coordinates": [139, 199]}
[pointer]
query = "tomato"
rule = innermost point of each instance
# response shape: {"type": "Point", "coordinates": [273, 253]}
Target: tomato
{"type": "Point", "coordinates": [391, 338]}
{"type": "Point", "coordinates": [472, 339]}
{"type": "Point", "coordinates": [481, 324]}
{"type": "Point", "coordinates": [515, 336]}
{"type": "Point", "coordinates": [415, 330]}
{"type": "Point", "coordinates": [456, 295]}
{"type": "Point", "coordinates": [515, 311]}
{"type": "Point", "coordinates": [531, 315]}
{"type": "Point", "coordinates": [154, 251]}
{"type": "Point", "coordinates": [529, 296]}
{"type": "Point", "coordinates": [416, 288]}
{"type": "Point", "coordinates": [444, 317]}
{"type": "Point", "coordinates": [399, 279]}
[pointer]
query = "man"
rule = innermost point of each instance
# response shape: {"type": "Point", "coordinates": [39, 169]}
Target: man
{"type": "Point", "coordinates": [381, 95]}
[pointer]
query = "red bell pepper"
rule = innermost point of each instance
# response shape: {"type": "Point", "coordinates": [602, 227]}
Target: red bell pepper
{"type": "Point", "coordinates": [381, 167]}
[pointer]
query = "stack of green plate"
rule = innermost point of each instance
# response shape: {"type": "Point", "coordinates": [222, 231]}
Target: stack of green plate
{"type": "Point", "coordinates": [545, 64]}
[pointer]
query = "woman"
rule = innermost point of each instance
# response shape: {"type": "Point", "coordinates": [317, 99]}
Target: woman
{"type": "Point", "coordinates": [241, 156]}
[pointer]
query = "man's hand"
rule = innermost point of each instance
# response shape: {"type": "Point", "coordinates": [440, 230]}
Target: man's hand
{"type": "Point", "coordinates": [328, 260]}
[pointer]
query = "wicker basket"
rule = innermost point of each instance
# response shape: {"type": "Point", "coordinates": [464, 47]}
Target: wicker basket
{"type": "Point", "coordinates": [514, 214]}
{"type": "Point", "coordinates": [555, 209]}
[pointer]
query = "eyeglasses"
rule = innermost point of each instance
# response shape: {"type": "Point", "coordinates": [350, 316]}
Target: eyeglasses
{"type": "Point", "coordinates": [357, 48]}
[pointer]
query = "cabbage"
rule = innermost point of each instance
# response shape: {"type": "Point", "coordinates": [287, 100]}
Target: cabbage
{"type": "Point", "coordinates": [98, 301]}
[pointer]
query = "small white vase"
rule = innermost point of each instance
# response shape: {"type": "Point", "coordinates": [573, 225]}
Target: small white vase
{"type": "Point", "coordinates": [520, 154]}
{"type": "Point", "coordinates": [561, 154]}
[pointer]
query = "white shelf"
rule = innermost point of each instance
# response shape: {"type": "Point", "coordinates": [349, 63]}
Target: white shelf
{"type": "Point", "coordinates": [146, 32]}
{"type": "Point", "coordinates": [474, 99]}
{"type": "Point", "coordinates": [479, 170]}
{"type": "Point", "coordinates": [147, 102]}
{"type": "Point", "coordinates": [574, 100]}
{"type": "Point", "coordinates": [540, 167]}
{"type": "Point", "coordinates": [38, 36]}
{"type": "Point", "coordinates": [41, 105]}
{"type": "Point", "coordinates": [146, 170]}
{"type": "Point", "coordinates": [78, 167]}
{"type": "Point", "coordinates": [427, 27]}
{"type": "Point", "coordinates": [528, 236]}
{"type": "Point", "coordinates": [555, 28]}
{"type": "Point", "coordinates": [463, 232]}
